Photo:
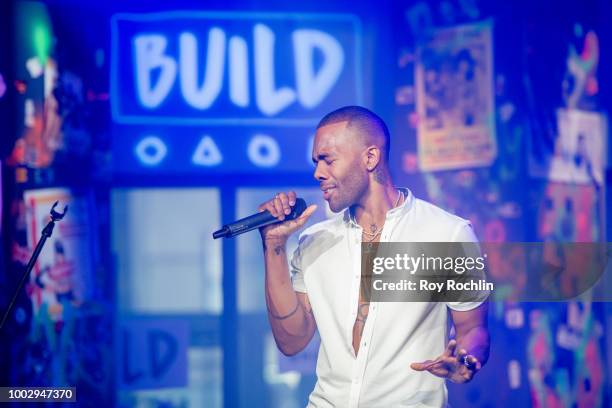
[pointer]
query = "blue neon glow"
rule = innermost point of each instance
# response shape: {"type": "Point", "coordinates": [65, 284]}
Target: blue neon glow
{"type": "Point", "coordinates": [151, 151]}
{"type": "Point", "coordinates": [207, 153]}
{"type": "Point", "coordinates": [186, 68]}
{"type": "Point", "coordinates": [263, 151]}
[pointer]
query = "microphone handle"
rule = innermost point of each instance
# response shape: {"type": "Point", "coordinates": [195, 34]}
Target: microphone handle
{"type": "Point", "coordinates": [257, 221]}
{"type": "Point", "coordinates": [248, 224]}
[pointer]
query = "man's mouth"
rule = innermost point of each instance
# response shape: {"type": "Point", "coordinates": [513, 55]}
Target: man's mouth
{"type": "Point", "coordinates": [327, 191]}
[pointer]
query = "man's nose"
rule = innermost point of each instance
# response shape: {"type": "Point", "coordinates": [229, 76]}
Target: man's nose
{"type": "Point", "coordinates": [319, 174]}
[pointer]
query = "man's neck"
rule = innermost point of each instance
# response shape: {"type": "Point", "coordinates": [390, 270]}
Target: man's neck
{"type": "Point", "coordinates": [372, 209]}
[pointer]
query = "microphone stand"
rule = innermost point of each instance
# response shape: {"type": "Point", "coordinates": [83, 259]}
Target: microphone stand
{"type": "Point", "coordinates": [46, 233]}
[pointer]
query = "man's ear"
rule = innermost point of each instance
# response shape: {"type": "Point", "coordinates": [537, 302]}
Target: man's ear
{"type": "Point", "coordinates": [372, 157]}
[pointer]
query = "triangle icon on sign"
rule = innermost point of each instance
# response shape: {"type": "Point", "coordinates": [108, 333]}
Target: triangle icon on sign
{"type": "Point", "coordinates": [207, 153]}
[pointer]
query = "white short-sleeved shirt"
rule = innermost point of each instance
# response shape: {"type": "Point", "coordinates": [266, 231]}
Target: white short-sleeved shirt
{"type": "Point", "coordinates": [327, 266]}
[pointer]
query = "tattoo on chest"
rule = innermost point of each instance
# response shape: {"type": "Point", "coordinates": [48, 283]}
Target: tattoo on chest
{"type": "Point", "coordinates": [360, 321]}
{"type": "Point", "coordinates": [373, 228]}
{"type": "Point", "coordinates": [362, 312]}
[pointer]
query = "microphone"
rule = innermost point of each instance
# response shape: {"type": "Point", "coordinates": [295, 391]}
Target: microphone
{"type": "Point", "coordinates": [258, 220]}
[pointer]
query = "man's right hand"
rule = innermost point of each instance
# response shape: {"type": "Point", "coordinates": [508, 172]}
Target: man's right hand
{"type": "Point", "coordinates": [280, 207]}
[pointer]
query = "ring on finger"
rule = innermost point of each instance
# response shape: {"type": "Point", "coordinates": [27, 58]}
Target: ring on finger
{"type": "Point", "coordinates": [466, 362]}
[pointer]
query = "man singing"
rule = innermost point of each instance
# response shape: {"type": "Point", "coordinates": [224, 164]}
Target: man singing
{"type": "Point", "coordinates": [372, 354]}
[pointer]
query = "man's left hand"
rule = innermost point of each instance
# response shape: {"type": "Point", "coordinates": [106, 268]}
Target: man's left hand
{"type": "Point", "coordinates": [451, 366]}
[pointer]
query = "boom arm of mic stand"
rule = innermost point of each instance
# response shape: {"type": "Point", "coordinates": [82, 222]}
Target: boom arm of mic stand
{"type": "Point", "coordinates": [46, 233]}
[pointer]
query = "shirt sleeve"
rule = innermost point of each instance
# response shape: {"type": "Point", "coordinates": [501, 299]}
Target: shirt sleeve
{"type": "Point", "coordinates": [465, 233]}
{"type": "Point", "coordinates": [295, 268]}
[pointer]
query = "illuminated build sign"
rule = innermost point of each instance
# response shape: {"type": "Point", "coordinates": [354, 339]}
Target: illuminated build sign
{"type": "Point", "coordinates": [228, 91]}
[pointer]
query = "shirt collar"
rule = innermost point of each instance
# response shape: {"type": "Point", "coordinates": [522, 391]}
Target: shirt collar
{"type": "Point", "coordinates": [349, 218]}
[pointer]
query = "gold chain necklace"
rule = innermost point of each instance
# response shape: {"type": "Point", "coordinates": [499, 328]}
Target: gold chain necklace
{"type": "Point", "coordinates": [377, 231]}
{"type": "Point", "coordinates": [372, 238]}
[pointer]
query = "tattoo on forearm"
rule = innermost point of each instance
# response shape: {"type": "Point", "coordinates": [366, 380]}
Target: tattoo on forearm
{"type": "Point", "coordinates": [277, 248]}
{"type": "Point", "coordinates": [297, 306]}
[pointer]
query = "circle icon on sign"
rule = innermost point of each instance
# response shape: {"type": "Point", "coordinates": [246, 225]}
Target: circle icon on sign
{"type": "Point", "coordinates": [151, 151]}
{"type": "Point", "coordinates": [263, 151]}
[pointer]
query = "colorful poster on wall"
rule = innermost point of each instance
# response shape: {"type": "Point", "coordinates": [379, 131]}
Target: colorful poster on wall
{"type": "Point", "coordinates": [577, 154]}
{"type": "Point", "coordinates": [61, 277]}
{"type": "Point", "coordinates": [68, 336]}
{"type": "Point", "coordinates": [569, 213]}
{"type": "Point", "coordinates": [455, 101]}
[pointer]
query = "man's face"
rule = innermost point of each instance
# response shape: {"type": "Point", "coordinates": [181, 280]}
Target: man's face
{"type": "Point", "coordinates": [340, 168]}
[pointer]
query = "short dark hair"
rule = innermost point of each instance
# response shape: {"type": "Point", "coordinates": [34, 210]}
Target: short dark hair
{"type": "Point", "coordinates": [363, 119]}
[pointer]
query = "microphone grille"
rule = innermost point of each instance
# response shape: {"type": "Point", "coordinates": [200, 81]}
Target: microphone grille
{"type": "Point", "coordinates": [298, 208]}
